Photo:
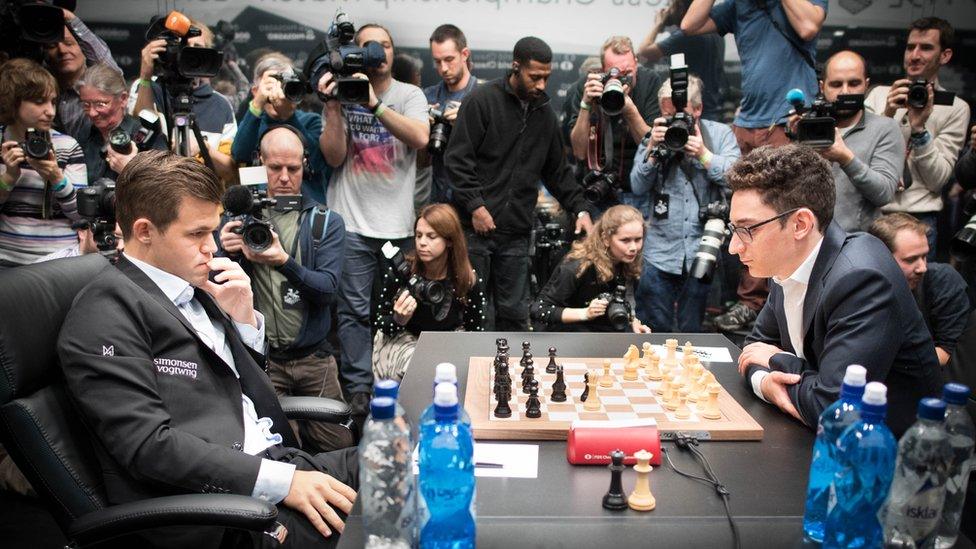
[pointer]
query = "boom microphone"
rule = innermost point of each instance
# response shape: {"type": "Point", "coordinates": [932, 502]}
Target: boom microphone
{"type": "Point", "coordinates": [797, 98]}
{"type": "Point", "coordinates": [237, 200]}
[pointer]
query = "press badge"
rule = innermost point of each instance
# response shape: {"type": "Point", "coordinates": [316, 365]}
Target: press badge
{"type": "Point", "coordinates": [290, 298]}
{"type": "Point", "coordinates": [662, 204]}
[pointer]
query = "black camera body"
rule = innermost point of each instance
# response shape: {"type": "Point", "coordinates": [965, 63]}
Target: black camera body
{"type": "Point", "coordinates": [440, 132]}
{"type": "Point", "coordinates": [37, 144]}
{"type": "Point", "coordinates": [918, 95]}
{"type": "Point", "coordinates": [551, 244]}
{"type": "Point", "coordinates": [247, 204]}
{"type": "Point", "coordinates": [618, 309]}
{"type": "Point", "coordinates": [681, 125]}
{"type": "Point", "coordinates": [435, 293]}
{"type": "Point", "coordinates": [294, 84]}
{"type": "Point", "coordinates": [600, 186]}
{"type": "Point", "coordinates": [180, 63]}
{"type": "Point", "coordinates": [613, 97]}
{"type": "Point", "coordinates": [96, 203]}
{"type": "Point", "coordinates": [27, 26]}
{"type": "Point", "coordinates": [339, 55]}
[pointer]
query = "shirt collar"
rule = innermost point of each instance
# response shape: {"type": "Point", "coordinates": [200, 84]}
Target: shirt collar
{"type": "Point", "coordinates": [171, 285]}
{"type": "Point", "coordinates": [802, 273]}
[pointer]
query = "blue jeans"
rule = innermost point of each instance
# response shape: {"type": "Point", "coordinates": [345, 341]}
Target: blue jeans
{"type": "Point", "coordinates": [932, 220]}
{"type": "Point", "coordinates": [659, 292]}
{"type": "Point", "coordinates": [363, 257]}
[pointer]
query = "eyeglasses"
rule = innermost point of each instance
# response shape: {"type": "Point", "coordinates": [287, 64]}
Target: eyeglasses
{"type": "Point", "coordinates": [99, 106]}
{"type": "Point", "coordinates": [745, 233]}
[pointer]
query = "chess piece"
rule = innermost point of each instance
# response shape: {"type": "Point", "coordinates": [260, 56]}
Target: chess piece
{"type": "Point", "coordinates": [592, 403]}
{"type": "Point", "coordinates": [671, 345]}
{"type": "Point", "coordinates": [526, 355]}
{"type": "Point", "coordinates": [631, 362]}
{"type": "Point", "coordinates": [614, 499]}
{"type": "Point", "coordinates": [502, 409]}
{"type": "Point", "coordinates": [533, 408]}
{"type": "Point", "coordinates": [586, 386]}
{"type": "Point", "coordinates": [641, 499]}
{"type": "Point", "coordinates": [665, 386]}
{"type": "Point", "coordinates": [682, 411]}
{"type": "Point", "coordinates": [688, 349]}
{"type": "Point", "coordinates": [501, 345]}
{"type": "Point", "coordinates": [528, 375]}
{"type": "Point", "coordinates": [606, 380]}
{"type": "Point", "coordinates": [654, 369]}
{"type": "Point", "coordinates": [559, 386]}
{"type": "Point", "coordinates": [551, 367]}
{"type": "Point", "coordinates": [710, 409]}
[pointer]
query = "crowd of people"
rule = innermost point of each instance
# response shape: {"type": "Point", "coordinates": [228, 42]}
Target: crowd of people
{"type": "Point", "coordinates": [390, 237]}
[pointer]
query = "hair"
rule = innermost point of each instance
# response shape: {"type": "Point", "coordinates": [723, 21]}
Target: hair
{"type": "Point", "coordinates": [617, 44]}
{"type": "Point", "coordinates": [947, 35]}
{"type": "Point", "coordinates": [22, 80]}
{"type": "Point", "coordinates": [787, 177]}
{"type": "Point", "coordinates": [103, 78]}
{"type": "Point", "coordinates": [531, 48]}
{"type": "Point", "coordinates": [205, 32]}
{"type": "Point", "coordinates": [594, 252]}
{"type": "Point", "coordinates": [272, 61]}
{"type": "Point", "coordinates": [443, 218]}
{"type": "Point", "coordinates": [154, 184]}
{"type": "Point", "coordinates": [826, 65]}
{"type": "Point", "coordinates": [406, 68]}
{"type": "Point", "coordinates": [675, 12]}
{"type": "Point", "coordinates": [447, 32]}
{"type": "Point", "coordinates": [591, 64]}
{"type": "Point", "coordinates": [887, 227]}
{"type": "Point", "coordinates": [695, 86]}
{"type": "Point", "coordinates": [375, 26]}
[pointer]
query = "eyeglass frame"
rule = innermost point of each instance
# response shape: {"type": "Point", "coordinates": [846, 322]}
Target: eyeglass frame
{"type": "Point", "coordinates": [95, 105]}
{"type": "Point", "coordinates": [733, 230]}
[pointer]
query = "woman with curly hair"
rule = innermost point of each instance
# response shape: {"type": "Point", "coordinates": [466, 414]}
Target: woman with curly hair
{"type": "Point", "coordinates": [605, 263]}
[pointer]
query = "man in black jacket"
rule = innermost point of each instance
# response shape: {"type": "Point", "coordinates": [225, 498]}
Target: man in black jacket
{"type": "Point", "coordinates": [506, 139]}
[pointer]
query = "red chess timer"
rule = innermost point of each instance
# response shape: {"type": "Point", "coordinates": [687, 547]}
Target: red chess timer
{"type": "Point", "coordinates": [590, 442]}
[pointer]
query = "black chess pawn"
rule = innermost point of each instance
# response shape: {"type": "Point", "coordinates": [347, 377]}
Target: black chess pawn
{"type": "Point", "coordinates": [615, 500]}
{"type": "Point", "coordinates": [586, 387]}
{"type": "Point", "coordinates": [528, 375]}
{"type": "Point", "coordinates": [533, 408]}
{"type": "Point", "coordinates": [502, 409]}
{"type": "Point", "coordinates": [526, 359]}
{"type": "Point", "coordinates": [551, 367]}
{"type": "Point", "coordinates": [559, 387]}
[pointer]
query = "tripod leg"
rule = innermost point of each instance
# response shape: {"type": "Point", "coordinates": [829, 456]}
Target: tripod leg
{"type": "Point", "coordinates": [201, 144]}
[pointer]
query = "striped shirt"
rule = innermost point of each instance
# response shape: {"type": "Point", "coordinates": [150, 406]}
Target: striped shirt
{"type": "Point", "coordinates": [34, 221]}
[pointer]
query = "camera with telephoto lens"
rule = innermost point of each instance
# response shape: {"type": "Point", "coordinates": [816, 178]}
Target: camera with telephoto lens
{"type": "Point", "coordinates": [293, 84]}
{"type": "Point", "coordinates": [613, 97]}
{"type": "Point", "coordinates": [120, 141]}
{"type": "Point", "coordinates": [714, 215]}
{"type": "Point", "coordinates": [818, 121]}
{"type": "Point", "coordinates": [27, 27]}
{"type": "Point", "coordinates": [339, 55]}
{"type": "Point", "coordinates": [681, 125]}
{"type": "Point", "coordinates": [440, 132]}
{"type": "Point", "coordinates": [247, 203]}
{"type": "Point", "coordinates": [37, 144]}
{"type": "Point", "coordinates": [618, 310]}
{"type": "Point", "coordinates": [96, 203]}
{"type": "Point", "coordinates": [435, 293]}
{"type": "Point", "coordinates": [149, 127]}
{"type": "Point", "coordinates": [600, 186]}
{"type": "Point", "coordinates": [180, 63]}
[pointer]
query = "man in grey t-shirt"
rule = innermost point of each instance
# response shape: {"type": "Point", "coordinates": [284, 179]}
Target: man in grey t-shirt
{"type": "Point", "coordinates": [374, 150]}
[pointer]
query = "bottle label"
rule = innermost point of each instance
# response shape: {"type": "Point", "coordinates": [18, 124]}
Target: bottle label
{"type": "Point", "coordinates": [920, 514]}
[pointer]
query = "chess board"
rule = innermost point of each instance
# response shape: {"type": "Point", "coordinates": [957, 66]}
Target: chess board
{"type": "Point", "coordinates": [624, 400]}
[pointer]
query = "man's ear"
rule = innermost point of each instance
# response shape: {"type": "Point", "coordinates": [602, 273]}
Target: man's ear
{"type": "Point", "coordinates": [945, 56]}
{"type": "Point", "coordinates": [804, 223]}
{"type": "Point", "coordinates": [143, 230]}
{"type": "Point", "coordinates": [515, 67]}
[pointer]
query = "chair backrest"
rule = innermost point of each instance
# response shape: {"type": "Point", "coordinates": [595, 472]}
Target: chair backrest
{"type": "Point", "coordinates": [962, 366]}
{"type": "Point", "coordinates": [39, 425]}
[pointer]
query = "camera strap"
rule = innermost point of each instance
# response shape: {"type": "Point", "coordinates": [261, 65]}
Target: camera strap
{"type": "Point", "coordinates": [601, 136]}
{"type": "Point", "coordinates": [319, 224]}
{"type": "Point", "coordinates": [807, 57]}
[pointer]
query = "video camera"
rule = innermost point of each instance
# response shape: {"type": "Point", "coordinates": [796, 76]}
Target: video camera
{"type": "Point", "coordinates": [293, 84]}
{"type": "Point", "coordinates": [247, 202]}
{"type": "Point", "coordinates": [27, 26]}
{"type": "Point", "coordinates": [96, 203]}
{"type": "Point", "coordinates": [435, 293]}
{"type": "Point", "coordinates": [618, 309]}
{"type": "Point", "coordinates": [179, 63]}
{"type": "Point", "coordinates": [37, 144]}
{"type": "Point", "coordinates": [818, 121]}
{"type": "Point", "coordinates": [612, 99]}
{"type": "Point", "coordinates": [339, 55]}
{"type": "Point", "coordinates": [681, 125]}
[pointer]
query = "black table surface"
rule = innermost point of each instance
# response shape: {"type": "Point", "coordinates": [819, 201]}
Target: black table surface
{"type": "Point", "coordinates": [562, 506]}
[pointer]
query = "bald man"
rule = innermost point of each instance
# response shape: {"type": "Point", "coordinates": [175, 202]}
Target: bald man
{"type": "Point", "coordinates": [868, 153]}
{"type": "Point", "coordinates": [294, 281]}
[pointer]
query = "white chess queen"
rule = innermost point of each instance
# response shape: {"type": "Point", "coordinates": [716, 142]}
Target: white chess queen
{"type": "Point", "coordinates": [440, 254]}
{"type": "Point", "coordinates": [592, 289]}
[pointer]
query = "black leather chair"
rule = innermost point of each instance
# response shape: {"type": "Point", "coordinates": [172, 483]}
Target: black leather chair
{"type": "Point", "coordinates": [42, 432]}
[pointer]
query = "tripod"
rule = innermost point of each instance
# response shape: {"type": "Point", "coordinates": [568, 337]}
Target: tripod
{"type": "Point", "coordinates": [182, 122]}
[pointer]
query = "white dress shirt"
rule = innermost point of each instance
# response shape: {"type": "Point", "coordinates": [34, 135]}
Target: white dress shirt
{"type": "Point", "coordinates": [794, 292]}
{"type": "Point", "coordinates": [274, 478]}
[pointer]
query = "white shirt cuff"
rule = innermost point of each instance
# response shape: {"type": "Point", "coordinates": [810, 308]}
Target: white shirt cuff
{"type": "Point", "coordinates": [252, 337]}
{"type": "Point", "coordinates": [756, 380]}
{"type": "Point", "coordinates": [274, 481]}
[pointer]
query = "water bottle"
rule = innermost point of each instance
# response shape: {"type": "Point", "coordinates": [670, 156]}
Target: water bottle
{"type": "Point", "coordinates": [961, 436]}
{"type": "Point", "coordinates": [391, 389]}
{"type": "Point", "coordinates": [837, 417]}
{"type": "Point", "coordinates": [914, 507]}
{"type": "Point", "coordinates": [445, 372]}
{"type": "Point", "coordinates": [386, 482]}
{"type": "Point", "coordinates": [447, 475]}
{"type": "Point", "coordinates": [865, 465]}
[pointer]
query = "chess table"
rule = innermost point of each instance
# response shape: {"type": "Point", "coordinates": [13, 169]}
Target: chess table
{"type": "Point", "coordinates": [562, 506]}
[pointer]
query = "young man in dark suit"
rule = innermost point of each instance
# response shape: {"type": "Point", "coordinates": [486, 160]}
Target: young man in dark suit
{"type": "Point", "coordinates": [838, 298]}
{"type": "Point", "coordinates": [165, 366]}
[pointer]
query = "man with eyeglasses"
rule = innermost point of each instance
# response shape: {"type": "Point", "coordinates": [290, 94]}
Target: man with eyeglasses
{"type": "Point", "coordinates": [837, 298]}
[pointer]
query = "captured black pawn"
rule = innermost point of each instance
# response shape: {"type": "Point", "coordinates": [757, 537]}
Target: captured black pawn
{"type": "Point", "coordinates": [615, 500]}
{"type": "Point", "coordinates": [586, 387]}
{"type": "Point", "coordinates": [533, 408]}
{"type": "Point", "coordinates": [559, 386]}
{"type": "Point", "coordinates": [551, 367]}
{"type": "Point", "coordinates": [502, 409]}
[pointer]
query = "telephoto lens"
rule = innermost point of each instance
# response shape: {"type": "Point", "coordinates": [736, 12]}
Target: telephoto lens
{"type": "Point", "coordinates": [709, 248]}
{"type": "Point", "coordinates": [120, 141]}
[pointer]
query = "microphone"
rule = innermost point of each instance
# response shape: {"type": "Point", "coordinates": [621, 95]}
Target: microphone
{"type": "Point", "coordinates": [237, 200]}
{"type": "Point", "coordinates": [797, 98]}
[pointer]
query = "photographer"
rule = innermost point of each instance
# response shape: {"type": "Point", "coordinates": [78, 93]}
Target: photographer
{"type": "Point", "coordinates": [440, 255]}
{"type": "Point", "coordinates": [680, 185]}
{"type": "Point", "coordinates": [85, 245]}
{"type": "Point", "coordinates": [373, 148]}
{"type": "Point", "coordinates": [103, 97]}
{"type": "Point", "coordinates": [41, 167]}
{"type": "Point", "coordinates": [67, 61]}
{"type": "Point", "coordinates": [934, 133]}
{"type": "Point", "coordinates": [450, 53]}
{"type": "Point", "coordinates": [213, 112]}
{"type": "Point", "coordinates": [627, 127]}
{"type": "Point", "coordinates": [295, 281]}
{"type": "Point", "coordinates": [866, 156]}
{"type": "Point", "coordinates": [270, 107]}
{"type": "Point", "coordinates": [592, 290]}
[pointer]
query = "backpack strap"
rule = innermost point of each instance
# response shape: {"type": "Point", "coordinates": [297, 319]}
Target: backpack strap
{"type": "Point", "coordinates": [320, 224]}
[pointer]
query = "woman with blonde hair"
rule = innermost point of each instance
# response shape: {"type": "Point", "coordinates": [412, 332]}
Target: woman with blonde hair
{"type": "Point", "coordinates": [592, 290]}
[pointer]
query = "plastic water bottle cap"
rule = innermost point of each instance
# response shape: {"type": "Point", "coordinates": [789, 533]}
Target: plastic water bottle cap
{"type": "Point", "coordinates": [445, 394]}
{"type": "Point", "coordinates": [445, 372]}
{"type": "Point", "coordinates": [932, 408]}
{"type": "Point", "coordinates": [386, 388]}
{"type": "Point", "coordinates": [382, 408]}
{"type": "Point", "coordinates": [856, 375]}
{"type": "Point", "coordinates": [875, 393]}
{"type": "Point", "coordinates": [955, 393]}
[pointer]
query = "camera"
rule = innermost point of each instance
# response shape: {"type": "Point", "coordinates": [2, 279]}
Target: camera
{"type": "Point", "coordinates": [27, 26]}
{"type": "Point", "coordinates": [963, 245]}
{"type": "Point", "coordinates": [440, 131]}
{"type": "Point", "coordinates": [179, 63]}
{"type": "Point", "coordinates": [613, 96]}
{"type": "Point", "coordinates": [599, 186]}
{"type": "Point", "coordinates": [918, 95]}
{"type": "Point", "coordinates": [339, 55]}
{"type": "Point", "coordinates": [435, 293]}
{"type": "Point", "coordinates": [818, 121]}
{"type": "Point", "coordinates": [618, 310]}
{"type": "Point", "coordinates": [37, 144]}
{"type": "Point", "coordinates": [681, 125]}
{"type": "Point", "coordinates": [294, 84]}
{"type": "Point", "coordinates": [550, 244]}
{"type": "Point", "coordinates": [96, 203]}
{"type": "Point", "coordinates": [247, 204]}
{"type": "Point", "coordinates": [149, 127]}
{"type": "Point", "coordinates": [120, 141]}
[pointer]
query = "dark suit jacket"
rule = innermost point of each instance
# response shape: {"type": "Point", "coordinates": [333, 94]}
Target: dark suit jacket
{"type": "Point", "coordinates": [857, 310]}
{"type": "Point", "coordinates": [164, 408]}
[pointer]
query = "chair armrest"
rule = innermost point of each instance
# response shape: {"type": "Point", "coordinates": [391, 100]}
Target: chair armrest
{"type": "Point", "coordinates": [226, 510]}
{"type": "Point", "coordinates": [315, 408]}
